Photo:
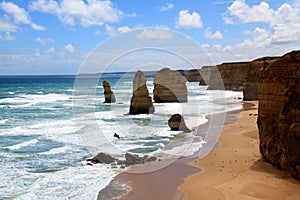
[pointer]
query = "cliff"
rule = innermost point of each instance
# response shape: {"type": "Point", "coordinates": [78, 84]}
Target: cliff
{"type": "Point", "coordinates": [236, 76]}
{"type": "Point", "coordinates": [232, 74]}
{"type": "Point", "coordinates": [169, 86]}
{"type": "Point", "coordinates": [250, 85]}
{"type": "Point", "coordinates": [141, 102]}
{"type": "Point", "coordinates": [279, 113]}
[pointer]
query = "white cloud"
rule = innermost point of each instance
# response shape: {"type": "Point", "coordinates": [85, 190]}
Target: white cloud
{"type": "Point", "coordinates": [51, 50]}
{"type": "Point", "coordinates": [187, 20]}
{"type": "Point", "coordinates": [6, 25]}
{"type": "Point", "coordinates": [98, 32]}
{"type": "Point", "coordinates": [19, 15]}
{"type": "Point", "coordinates": [37, 27]}
{"type": "Point", "coordinates": [7, 37]}
{"type": "Point", "coordinates": [259, 45]}
{"type": "Point", "coordinates": [160, 34]}
{"type": "Point", "coordinates": [80, 12]}
{"type": "Point", "coordinates": [112, 31]}
{"type": "Point", "coordinates": [166, 7]}
{"type": "Point", "coordinates": [217, 35]}
{"type": "Point", "coordinates": [70, 48]}
{"type": "Point", "coordinates": [44, 41]}
{"type": "Point", "coordinates": [284, 22]}
{"type": "Point", "coordinates": [244, 13]}
{"type": "Point", "coordinates": [123, 29]}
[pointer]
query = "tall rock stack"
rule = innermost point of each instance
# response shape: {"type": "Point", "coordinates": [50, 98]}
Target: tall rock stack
{"type": "Point", "coordinates": [169, 86]}
{"type": "Point", "coordinates": [279, 113]}
{"type": "Point", "coordinates": [108, 94]}
{"type": "Point", "coordinates": [141, 102]}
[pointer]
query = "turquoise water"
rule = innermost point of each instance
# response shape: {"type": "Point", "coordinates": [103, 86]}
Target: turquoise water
{"type": "Point", "coordinates": [46, 134]}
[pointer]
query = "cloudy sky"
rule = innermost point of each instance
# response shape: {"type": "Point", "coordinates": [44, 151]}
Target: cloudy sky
{"type": "Point", "coordinates": [55, 37]}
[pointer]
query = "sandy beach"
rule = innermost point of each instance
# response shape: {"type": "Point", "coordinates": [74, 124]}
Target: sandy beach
{"type": "Point", "coordinates": [235, 170]}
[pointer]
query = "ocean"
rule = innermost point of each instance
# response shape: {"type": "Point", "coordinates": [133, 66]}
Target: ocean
{"type": "Point", "coordinates": [48, 129]}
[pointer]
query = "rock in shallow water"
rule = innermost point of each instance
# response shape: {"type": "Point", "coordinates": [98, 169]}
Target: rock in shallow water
{"type": "Point", "coordinates": [176, 123]}
{"type": "Point", "coordinates": [108, 94]}
{"type": "Point", "coordinates": [169, 86]}
{"type": "Point", "coordinates": [141, 102]}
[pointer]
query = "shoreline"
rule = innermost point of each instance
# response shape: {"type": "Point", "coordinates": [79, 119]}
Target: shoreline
{"type": "Point", "coordinates": [163, 183]}
{"type": "Point", "coordinates": [236, 170]}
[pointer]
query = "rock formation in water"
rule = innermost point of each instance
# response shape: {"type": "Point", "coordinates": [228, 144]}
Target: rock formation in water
{"type": "Point", "coordinates": [279, 113]}
{"type": "Point", "coordinates": [176, 123]}
{"type": "Point", "coordinates": [108, 94]}
{"type": "Point", "coordinates": [141, 102]}
{"type": "Point", "coordinates": [169, 86]}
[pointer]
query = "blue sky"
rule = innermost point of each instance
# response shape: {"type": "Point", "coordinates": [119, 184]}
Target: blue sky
{"type": "Point", "coordinates": [55, 37]}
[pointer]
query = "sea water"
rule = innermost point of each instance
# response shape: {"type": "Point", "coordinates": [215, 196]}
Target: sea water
{"type": "Point", "coordinates": [45, 137]}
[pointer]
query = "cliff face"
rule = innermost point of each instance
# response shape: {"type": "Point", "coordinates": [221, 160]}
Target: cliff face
{"type": "Point", "coordinates": [232, 74]}
{"type": "Point", "coordinates": [141, 102]}
{"type": "Point", "coordinates": [250, 85]}
{"type": "Point", "coordinates": [169, 86]}
{"type": "Point", "coordinates": [279, 113]}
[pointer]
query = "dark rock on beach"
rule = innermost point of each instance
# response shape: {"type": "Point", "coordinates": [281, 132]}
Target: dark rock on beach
{"type": "Point", "coordinates": [141, 102]}
{"type": "Point", "coordinates": [130, 159]}
{"type": "Point", "coordinates": [103, 158]}
{"type": "Point", "coordinates": [279, 113]}
{"type": "Point", "coordinates": [108, 94]}
{"type": "Point", "coordinates": [169, 86]}
{"type": "Point", "coordinates": [176, 123]}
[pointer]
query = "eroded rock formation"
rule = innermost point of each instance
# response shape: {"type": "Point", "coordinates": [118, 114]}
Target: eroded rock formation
{"type": "Point", "coordinates": [176, 123]}
{"type": "Point", "coordinates": [279, 113]}
{"type": "Point", "coordinates": [108, 94]}
{"type": "Point", "coordinates": [141, 102]}
{"type": "Point", "coordinates": [169, 86]}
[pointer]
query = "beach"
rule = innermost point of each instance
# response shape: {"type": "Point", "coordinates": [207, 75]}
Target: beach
{"type": "Point", "coordinates": [233, 170]}
{"type": "Point", "coordinates": [236, 170]}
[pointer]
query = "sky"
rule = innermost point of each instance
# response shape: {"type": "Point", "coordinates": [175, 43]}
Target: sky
{"type": "Point", "coordinates": [57, 37]}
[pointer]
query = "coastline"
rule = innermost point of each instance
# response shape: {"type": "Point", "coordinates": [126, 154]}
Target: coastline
{"type": "Point", "coordinates": [236, 170]}
{"type": "Point", "coordinates": [160, 184]}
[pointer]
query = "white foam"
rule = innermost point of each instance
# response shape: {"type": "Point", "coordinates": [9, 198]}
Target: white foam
{"type": "Point", "coordinates": [56, 150]}
{"type": "Point", "coordinates": [3, 121]}
{"type": "Point", "coordinates": [32, 99]}
{"type": "Point", "coordinates": [11, 93]}
{"type": "Point", "coordinates": [82, 182]}
{"type": "Point", "coordinates": [23, 144]}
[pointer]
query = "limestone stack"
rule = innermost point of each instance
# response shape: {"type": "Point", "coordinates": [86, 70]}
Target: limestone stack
{"type": "Point", "coordinates": [169, 86]}
{"type": "Point", "coordinates": [141, 102]}
{"type": "Point", "coordinates": [108, 94]}
{"type": "Point", "coordinates": [279, 113]}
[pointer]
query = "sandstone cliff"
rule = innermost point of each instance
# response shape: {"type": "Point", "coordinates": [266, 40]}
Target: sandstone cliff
{"type": "Point", "coordinates": [108, 94]}
{"type": "Point", "coordinates": [141, 102]}
{"type": "Point", "coordinates": [169, 86]}
{"type": "Point", "coordinates": [279, 113]}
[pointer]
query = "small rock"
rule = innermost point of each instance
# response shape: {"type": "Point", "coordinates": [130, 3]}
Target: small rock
{"type": "Point", "coordinates": [176, 123]}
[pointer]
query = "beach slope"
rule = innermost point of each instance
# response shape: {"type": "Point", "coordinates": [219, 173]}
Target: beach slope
{"type": "Point", "coordinates": [235, 170]}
